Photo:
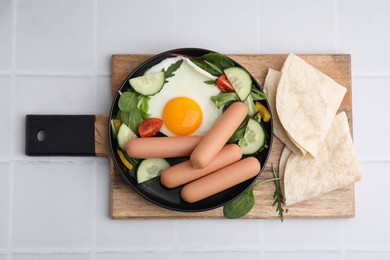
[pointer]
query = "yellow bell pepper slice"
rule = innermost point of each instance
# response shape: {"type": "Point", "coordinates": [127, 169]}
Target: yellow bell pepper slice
{"type": "Point", "coordinates": [124, 160]}
{"type": "Point", "coordinates": [265, 114]}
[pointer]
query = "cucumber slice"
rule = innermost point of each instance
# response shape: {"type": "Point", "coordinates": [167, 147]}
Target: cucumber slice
{"type": "Point", "coordinates": [148, 84]}
{"type": "Point", "coordinates": [240, 80]}
{"type": "Point", "coordinates": [151, 168]}
{"type": "Point", "coordinates": [254, 138]}
{"type": "Point", "coordinates": [124, 135]}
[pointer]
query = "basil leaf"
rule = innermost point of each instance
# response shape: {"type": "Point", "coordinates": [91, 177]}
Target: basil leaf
{"type": "Point", "coordinates": [223, 99]}
{"type": "Point", "coordinates": [257, 94]}
{"type": "Point", "coordinates": [240, 206]}
{"type": "Point", "coordinates": [219, 60]}
{"type": "Point", "coordinates": [204, 66]}
{"type": "Point", "coordinates": [127, 101]}
{"type": "Point", "coordinates": [175, 66]}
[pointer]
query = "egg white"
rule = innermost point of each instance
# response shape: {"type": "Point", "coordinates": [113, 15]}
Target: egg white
{"type": "Point", "coordinates": [187, 82]}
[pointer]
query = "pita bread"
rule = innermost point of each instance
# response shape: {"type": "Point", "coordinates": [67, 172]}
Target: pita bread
{"type": "Point", "coordinates": [307, 101]}
{"type": "Point", "coordinates": [270, 87]}
{"type": "Point", "coordinates": [335, 166]}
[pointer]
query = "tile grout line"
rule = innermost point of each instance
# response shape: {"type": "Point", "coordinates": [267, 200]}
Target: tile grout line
{"type": "Point", "coordinates": [94, 164]}
{"type": "Point", "coordinates": [11, 171]}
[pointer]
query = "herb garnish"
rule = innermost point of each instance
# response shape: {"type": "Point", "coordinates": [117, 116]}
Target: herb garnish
{"type": "Point", "coordinates": [210, 82]}
{"type": "Point", "coordinates": [169, 72]}
{"type": "Point", "coordinates": [278, 196]}
{"type": "Point", "coordinates": [244, 203]}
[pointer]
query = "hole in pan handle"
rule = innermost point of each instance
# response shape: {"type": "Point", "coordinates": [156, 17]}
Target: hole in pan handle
{"type": "Point", "coordinates": [56, 135]}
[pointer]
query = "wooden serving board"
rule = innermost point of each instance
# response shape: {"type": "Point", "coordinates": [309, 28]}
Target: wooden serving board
{"type": "Point", "coordinates": [127, 204]}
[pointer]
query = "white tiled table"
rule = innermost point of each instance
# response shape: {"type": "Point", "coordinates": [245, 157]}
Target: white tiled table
{"type": "Point", "coordinates": [55, 58]}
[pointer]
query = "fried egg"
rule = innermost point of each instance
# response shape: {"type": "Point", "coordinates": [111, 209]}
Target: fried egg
{"type": "Point", "coordinates": [184, 102]}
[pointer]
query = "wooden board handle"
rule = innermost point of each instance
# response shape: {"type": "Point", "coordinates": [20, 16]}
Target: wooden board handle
{"type": "Point", "coordinates": [102, 145]}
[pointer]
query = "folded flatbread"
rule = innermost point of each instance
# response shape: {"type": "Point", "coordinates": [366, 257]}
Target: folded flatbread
{"type": "Point", "coordinates": [307, 101]}
{"type": "Point", "coordinates": [270, 87]}
{"type": "Point", "coordinates": [282, 164]}
{"type": "Point", "coordinates": [335, 166]}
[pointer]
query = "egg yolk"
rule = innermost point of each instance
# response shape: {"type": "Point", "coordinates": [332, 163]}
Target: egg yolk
{"type": "Point", "coordinates": [182, 115]}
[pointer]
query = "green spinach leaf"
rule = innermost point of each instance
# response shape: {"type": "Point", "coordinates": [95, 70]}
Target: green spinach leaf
{"type": "Point", "coordinates": [257, 94]}
{"type": "Point", "coordinates": [129, 114]}
{"type": "Point", "coordinates": [223, 99]}
{"type": "Point", "coordinates": [240, 132]}
{"type": "Point", "coordinates": [244, 203]}
{"type": "Point", "coordinates": [240, 206]}
{"type": "Point", "coordinates": [132, 119]}
{"type": "Point", "coordinates": [219, 60]}
{"type": "Point", "coordinates": [214, 67]}
{"type": "Point", "coordinates": [204, 66]}
{"type": "Point", "coordinates": [128, 101]}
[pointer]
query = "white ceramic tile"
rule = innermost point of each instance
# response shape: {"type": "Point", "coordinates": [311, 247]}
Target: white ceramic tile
{"type": "Point", "coordinates": [138, 256]}
{"type": "Point", "coordinates": [367, 256]}
{"type": "Point", "coordinates": [69, 256]}
{"type": "Point", "coordinates": [136, 234]}
{"type": "Point", "coordinates": [222, 26]}
{"type": "Point", "coordinates": [363, 33]}
{"type": "Point", "coordinates": [219, 255]}
{"type": "Point", "coordinates": [5, 34]}
{"type": "Point", "coordinates": [103, 98]}
{"type": "Point", "coordinates": [50, 95]}
{"type": "Point", "coordinates": [300, 26]}
{"type": "Point", "coordinates": [5, 115]}
{"type": "Point", "coordinates": [308, 255]}
{"type": "Point", "coordinates": [52, 205]}
{"type": "Point", "coordinates": [54, 35]}
{"type": "Point", "coordinates": [4, 205]}
{"type": "Point", "coordinates": [302, 232]}
{"type": "Point", "coordinates": [136, 26]}
{"type": "Point", "coordinates": [224, 234]}
{"type": "Point", "coordinates": [370, 225]}
{"type": "Point", "coordinates": [370, 110]}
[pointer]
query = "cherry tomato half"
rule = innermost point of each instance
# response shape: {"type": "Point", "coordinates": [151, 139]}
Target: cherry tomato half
{"type": "Point", "coordinates": [150, 127]}
{"type": "Point", "coordinates": [224, 85]}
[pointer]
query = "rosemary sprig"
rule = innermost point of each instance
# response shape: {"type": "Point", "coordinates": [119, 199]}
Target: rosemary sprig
{"type": "Point", "coordinates": [278, 196]}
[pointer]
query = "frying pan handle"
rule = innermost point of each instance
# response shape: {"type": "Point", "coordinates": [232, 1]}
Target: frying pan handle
{"type": "Point", "coordinates": [55, 135]}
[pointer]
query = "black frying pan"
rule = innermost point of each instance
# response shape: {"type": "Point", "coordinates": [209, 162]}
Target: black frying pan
{"type": "Point", "coordinates": [74, 135]}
